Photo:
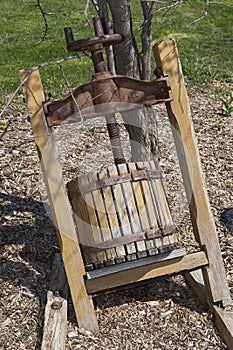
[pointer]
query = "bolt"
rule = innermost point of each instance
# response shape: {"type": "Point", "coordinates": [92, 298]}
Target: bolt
{"type": "Point", "coordinates": [56, 305]}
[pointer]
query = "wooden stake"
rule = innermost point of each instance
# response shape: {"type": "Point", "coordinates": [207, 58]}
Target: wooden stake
{"type": "Point", "coordinates": [59, 203]}
{"type": "Point", "coordinates": [55, 319]}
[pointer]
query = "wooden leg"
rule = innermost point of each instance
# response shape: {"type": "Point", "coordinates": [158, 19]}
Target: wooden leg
{"type": "Point", "coordinates": [59, 203]}
{"type": "Point", "coordinates": [167, 60]}
{"type": "Point", "coordinates": [223, 317]}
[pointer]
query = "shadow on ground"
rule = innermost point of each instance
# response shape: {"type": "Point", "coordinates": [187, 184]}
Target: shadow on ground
{"type": "Point", "coordinates": [28, 240]}
{"type": "Point", "coordinates": [226, 219]}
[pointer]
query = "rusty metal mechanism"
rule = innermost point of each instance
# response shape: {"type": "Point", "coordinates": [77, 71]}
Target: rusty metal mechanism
{"type": "Point", "coordinates": [105, 94]}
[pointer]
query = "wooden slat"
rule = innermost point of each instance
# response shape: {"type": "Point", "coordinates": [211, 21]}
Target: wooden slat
{"type": "Point", "coordinates": [142, 209]}
{"type": "Point", "coordinates": [102, 218]}
{"type": "Point", "coordinates": [162, 198]}
{"type": "Point", "coordinates": [89, 199]}
{"type": "Point", "coordinates": [121, 211]}
{"type": "Point", "coordinates": [167, 60]}
{"type": "Point", "coordinates": [150, 208]}
{"type": "Point", "coordinates": [159, 242]}
{"type": "Point", "coordinates": [163, 243]}
{"type": "Point", "coordinates": [59, 203]}
{"type": "Point", "coordinates": [129, 196]}
{"type": "Point", "coordinates": [112, 216]}
{"type": "Point", "coordinates": [187, 262]}
{"type": "Point", "coordinates": [158, 201]}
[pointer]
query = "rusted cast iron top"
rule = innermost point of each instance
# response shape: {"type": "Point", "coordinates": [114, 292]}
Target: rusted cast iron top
{"type": "Point", "coordinates": [119, 94]}
{"type": "Point", "coordinates": [105, 94]}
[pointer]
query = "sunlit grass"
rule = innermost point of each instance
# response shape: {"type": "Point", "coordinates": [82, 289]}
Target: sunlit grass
{"type": "Point", "coordinates": [205, 45]}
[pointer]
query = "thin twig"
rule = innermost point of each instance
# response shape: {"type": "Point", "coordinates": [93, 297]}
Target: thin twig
{"type": "Point", "coordinates": [44, 16]}
{"type": "Point", "coordinates": [30, 71]}
{"type": "Point", "coordinates": [95, 4]}
{"type": "Point", "coordinates": [45, 22]}
{"type": "Point", "coordinates": [203, 16]}
{"type": "Point", "coordinates": [88, 22]}
{"type": "Point", "coordinates": [70, 90]}
{"type": "Point", "coordinates": [168, 6]}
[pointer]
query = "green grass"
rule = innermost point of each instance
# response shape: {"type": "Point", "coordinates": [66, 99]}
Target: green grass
{"type": "Point", "coordinates": [21, 29]}
{"type": "Point", "coordinates": [205, 47]}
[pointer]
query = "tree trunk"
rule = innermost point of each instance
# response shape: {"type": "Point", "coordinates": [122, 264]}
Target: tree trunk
{"type": "Point", "coordinates": [146, 39]}
{"type": "Point", "coordinates": [103, 14]}
{"type": "Point", "coordinates": [127, 61]}
{"type": "Point", "coordinates": [126, 53]}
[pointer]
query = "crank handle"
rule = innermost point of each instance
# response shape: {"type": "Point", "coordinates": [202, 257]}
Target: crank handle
{"type": "Point", "coordinates": [90, 43]}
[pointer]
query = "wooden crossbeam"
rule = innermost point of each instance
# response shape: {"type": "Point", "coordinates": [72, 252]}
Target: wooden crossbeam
{"type": "Point", "coordinates": [141, 273]}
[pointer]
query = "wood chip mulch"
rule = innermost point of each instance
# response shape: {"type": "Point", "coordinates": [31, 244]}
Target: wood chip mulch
{"type": "Point", "coordinates": [163, 314]}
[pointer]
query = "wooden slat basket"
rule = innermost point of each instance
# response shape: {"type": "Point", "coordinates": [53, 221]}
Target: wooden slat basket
{"type": "Point", "coordinates": [121, 214]}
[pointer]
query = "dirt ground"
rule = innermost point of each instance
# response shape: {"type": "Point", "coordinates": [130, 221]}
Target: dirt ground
{"type": "Point", "coordinates": [163, 314]}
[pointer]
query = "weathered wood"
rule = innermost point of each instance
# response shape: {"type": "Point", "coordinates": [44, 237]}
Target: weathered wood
{"type": "Point", "coordinates": [129, 265]}
{"type": "Point", "coordinates": [121, 206]}
{"type": "Point", "coordinates": [59, 203]}
{"type": "Point", "coordinates": [223, 317]}
{"type": "Point", "coordinates": [121, 211]}
{"type": "Point", "coordinates": [109, 181]}
{"type": "Point", "coordinates": [224, 323]}
{"type": "Point", "coordinates": [55, 325]}
{"type": "Point", "coordinates": [112, 216]}
{"type": "Point", "coordinates": [55, 317]}
{"type": "Point", "coordinates": [141, 207]}
{"type": "Point", "coordinates": [164, 210]}
{"type": "Point", "coordinates": [102, 219]}
{"type": "Point", "coordinates": [195, 280]}
{"type": "Point", "coordinates": [167, 60]}
{"type": "Point", "coordinates": [158, 210]}
{"type": "Point", "coordinates": [93, 216]}
{"type": "Point", "coordinates": [131, 207]}
{"type": "Point", "coordinates": [141, 273]}
{"type": "Point", "coordinates": [81, 219]}
{"type": "Point", "coordinates": [150, 208]}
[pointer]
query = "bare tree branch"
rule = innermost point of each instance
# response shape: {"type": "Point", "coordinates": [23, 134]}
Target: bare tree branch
{"type": "Point", "coordinates": [70, 90]}
{"type": "Point", "coordinates": [45, 22]}
{"type": "Point", "coordinates": [88, 22]}
{"type": "Point", "coordinates": [103, 14]}
{"type": "Point", "coordinates": [96, 6]}
{"type": "Point", "coordinates": [168, 6]}
{"type": "Point", "coordinates": [203, 16]}
{"type": "Point", "coordinates": [29, 71]}
{"type": "Point", "coordinates": [146, 38]}
{"type": "Point", "coordinates": [222, 3]}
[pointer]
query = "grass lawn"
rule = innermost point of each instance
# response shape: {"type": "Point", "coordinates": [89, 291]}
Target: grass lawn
{"type": "Point", "coordinates": [205, 46]}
